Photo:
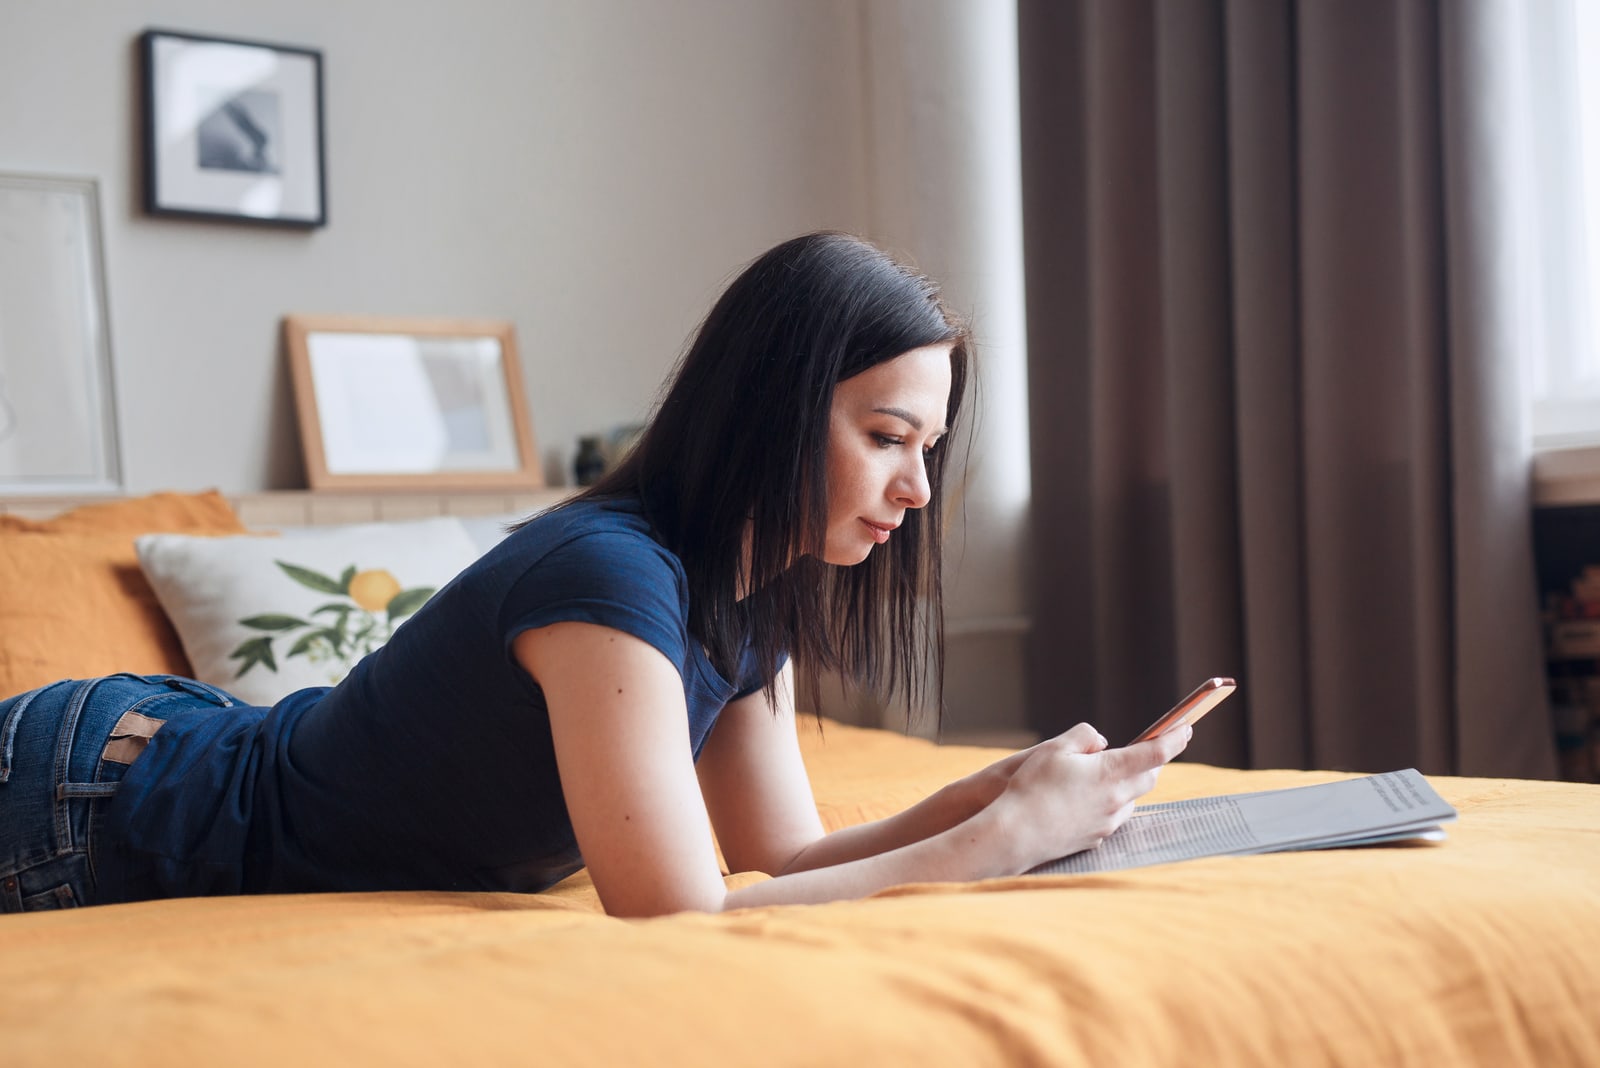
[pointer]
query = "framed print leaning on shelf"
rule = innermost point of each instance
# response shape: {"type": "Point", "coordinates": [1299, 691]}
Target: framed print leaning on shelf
{"type": "Point", "coordinates": [58, 419]}
{"type": "Point", "coordinates": [410, 404]}
{"type": "Point", "coordinates": [233, 130]}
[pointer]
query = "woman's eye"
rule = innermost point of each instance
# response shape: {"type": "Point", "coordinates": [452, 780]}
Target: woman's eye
{"type": "Point", "coordinates": [887, 441]}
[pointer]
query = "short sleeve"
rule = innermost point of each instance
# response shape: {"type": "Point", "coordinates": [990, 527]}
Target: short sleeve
{"type": "Point", "coordinates": [613, 578]}
{"type": "Point", "coordinates": [750, 679]}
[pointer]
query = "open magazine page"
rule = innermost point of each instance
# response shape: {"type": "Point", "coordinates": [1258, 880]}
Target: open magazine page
{"type": "Point", "coordinates": [1395, 806]}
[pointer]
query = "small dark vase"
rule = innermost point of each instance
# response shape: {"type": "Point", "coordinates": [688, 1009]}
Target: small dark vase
{"type": "Point", "coordinates": [590, 463]}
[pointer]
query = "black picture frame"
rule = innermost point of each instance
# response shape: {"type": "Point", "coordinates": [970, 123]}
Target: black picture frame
{"type": "Point", "coordinates": [233, 130]}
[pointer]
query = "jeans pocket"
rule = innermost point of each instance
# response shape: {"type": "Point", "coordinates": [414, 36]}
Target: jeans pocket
{"type": "Point", "coordinates": [60, 897]}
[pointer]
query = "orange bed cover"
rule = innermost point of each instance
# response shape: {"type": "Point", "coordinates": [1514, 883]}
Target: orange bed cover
{"type": "Point", "coordinates": [1482, 950]}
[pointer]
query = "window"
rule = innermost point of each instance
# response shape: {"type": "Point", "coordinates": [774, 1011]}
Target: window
{"type": "Point", "coordinates": [1554, 135]}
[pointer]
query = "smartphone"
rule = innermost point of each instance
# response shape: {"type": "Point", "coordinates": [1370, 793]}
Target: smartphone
{"type": "Point", "coordinates": [1206, 696]}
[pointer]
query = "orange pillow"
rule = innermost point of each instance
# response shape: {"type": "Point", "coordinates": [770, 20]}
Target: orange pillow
{"type": "Point", "coordinates": [73, 601]}
{"type": "Point", "coordinates": [75, 605]}
{"type": "Point", "coordinates": [158, 513]}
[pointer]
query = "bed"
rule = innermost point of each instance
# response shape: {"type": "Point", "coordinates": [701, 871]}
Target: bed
{"type": "Point", "coordinates": [1484, 949]}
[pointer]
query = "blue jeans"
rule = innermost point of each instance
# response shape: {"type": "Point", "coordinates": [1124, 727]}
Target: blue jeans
{"type": "Point", "coordinates": [63, 751]}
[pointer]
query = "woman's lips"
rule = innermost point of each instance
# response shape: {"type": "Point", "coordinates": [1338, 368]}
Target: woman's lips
{"type": "Point", "coordinates": [880, 531]}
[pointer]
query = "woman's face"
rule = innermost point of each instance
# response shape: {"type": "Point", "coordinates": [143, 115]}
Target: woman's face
{"type": "Point", "coordinates": [884, 422]}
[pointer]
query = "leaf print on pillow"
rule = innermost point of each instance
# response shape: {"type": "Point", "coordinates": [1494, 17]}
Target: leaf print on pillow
{"type": "Point", "coordinates": [371, 604]}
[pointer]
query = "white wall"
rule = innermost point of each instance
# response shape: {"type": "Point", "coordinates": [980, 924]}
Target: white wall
{"type": "Point", "coordinates": [592, 171]}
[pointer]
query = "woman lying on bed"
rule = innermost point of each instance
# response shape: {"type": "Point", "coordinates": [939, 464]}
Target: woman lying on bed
{"type": "Point", "coordinates": [611, 675]}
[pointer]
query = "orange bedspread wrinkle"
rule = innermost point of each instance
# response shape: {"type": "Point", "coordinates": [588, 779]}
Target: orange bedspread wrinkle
{"type": "Point", "coordinates": [1481, 950]}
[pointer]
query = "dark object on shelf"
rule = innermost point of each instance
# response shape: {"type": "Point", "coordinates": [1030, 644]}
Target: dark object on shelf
{"type": "Point", "coordinates": [590, 463]}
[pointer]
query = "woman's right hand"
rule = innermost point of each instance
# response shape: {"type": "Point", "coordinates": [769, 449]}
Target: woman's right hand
{"type": "Point", "coordinates": [1069, 793]}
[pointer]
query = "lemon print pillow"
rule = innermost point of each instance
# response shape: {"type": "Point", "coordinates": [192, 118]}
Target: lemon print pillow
{"type": "Point", "coordinates": [262, 617]}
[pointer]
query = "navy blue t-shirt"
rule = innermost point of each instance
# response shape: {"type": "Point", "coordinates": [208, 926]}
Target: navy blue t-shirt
{"type": "Point", "coordinates": [431, 766]}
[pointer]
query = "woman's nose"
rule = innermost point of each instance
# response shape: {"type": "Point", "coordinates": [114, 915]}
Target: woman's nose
{"type": "Point", "coordinates": [911, 489]}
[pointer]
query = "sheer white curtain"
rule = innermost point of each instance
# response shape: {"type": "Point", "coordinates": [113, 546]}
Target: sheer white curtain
{"type": "Point", "coordinates": [1550, 95]}
{"type": "Point", "coordinates": [944, 190]}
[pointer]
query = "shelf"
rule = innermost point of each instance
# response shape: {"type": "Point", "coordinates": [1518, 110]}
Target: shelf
{"type": "Point", "coordinates": [1567, 476]}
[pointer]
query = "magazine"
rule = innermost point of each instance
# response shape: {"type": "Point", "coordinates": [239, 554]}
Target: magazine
{"type": "Point", "coordinates": [1392, 807]}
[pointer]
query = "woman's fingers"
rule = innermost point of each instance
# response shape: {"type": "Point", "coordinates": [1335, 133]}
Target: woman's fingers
{"type": "Point", "coordinates": [1156, 752]}
{"type": "Point", "coordinates": [1081, 739]}
{"type": "Point", "coordinates": [1137, 766]}
{"type": "Point", "coordinates": [1161, 749]}
{"type": "Point", "coordinates": [1076, 791]}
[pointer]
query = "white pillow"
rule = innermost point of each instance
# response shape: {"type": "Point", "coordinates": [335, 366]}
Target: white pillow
{"type": "Point", "coordinates": [486, 531]}
{"type": "Point", "coordinates": [264, 616]}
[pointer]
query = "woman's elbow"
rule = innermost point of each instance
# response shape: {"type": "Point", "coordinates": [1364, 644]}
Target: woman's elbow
{"type": "Point", "coordinates": [650, 906]}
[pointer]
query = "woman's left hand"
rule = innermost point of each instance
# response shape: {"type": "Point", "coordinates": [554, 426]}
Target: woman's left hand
{"type": "Point", "coordinates": [975, 792]}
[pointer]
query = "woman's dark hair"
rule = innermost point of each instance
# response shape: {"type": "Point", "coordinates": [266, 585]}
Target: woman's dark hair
{"type": "Point", "coordinates": [739, 442]}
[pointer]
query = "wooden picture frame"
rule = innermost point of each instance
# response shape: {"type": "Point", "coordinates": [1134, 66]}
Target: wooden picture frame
{"type": "Point", "coordinates": [233, 130]}
{"type": "Point", "coordinates": [410, 404]}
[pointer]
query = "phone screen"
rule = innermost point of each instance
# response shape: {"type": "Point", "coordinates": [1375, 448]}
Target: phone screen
{"type": "Point", "coordinates": [1206, 696]}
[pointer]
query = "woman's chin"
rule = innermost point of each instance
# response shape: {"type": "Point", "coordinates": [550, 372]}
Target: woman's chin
{"type": "Point", "coordinates": [848, 556]}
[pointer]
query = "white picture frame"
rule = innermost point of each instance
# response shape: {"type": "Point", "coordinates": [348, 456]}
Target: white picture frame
{"type": "Point", "coordinates": [58, 416]}
{"type": "Point", "coordinates": [233, 130]}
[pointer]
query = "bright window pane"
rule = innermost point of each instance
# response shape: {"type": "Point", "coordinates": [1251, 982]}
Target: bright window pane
{"type": "Point", "coordinates": [1564, 106]}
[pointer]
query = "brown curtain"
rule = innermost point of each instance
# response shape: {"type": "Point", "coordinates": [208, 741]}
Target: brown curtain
{"type": "Point", "coordinates": [1275, 418]}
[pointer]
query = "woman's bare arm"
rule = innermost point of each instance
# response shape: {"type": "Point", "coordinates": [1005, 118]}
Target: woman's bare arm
{"type": "Point", "coordinates": [621, 737]}
{"type": "Point", "coordinates": [759, 797]}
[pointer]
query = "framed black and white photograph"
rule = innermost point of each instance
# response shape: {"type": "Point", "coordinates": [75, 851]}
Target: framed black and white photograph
{"type": "Point", "coordinates": [233, 130]}
{"type": "Point", "coordinates": [58, 417]}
